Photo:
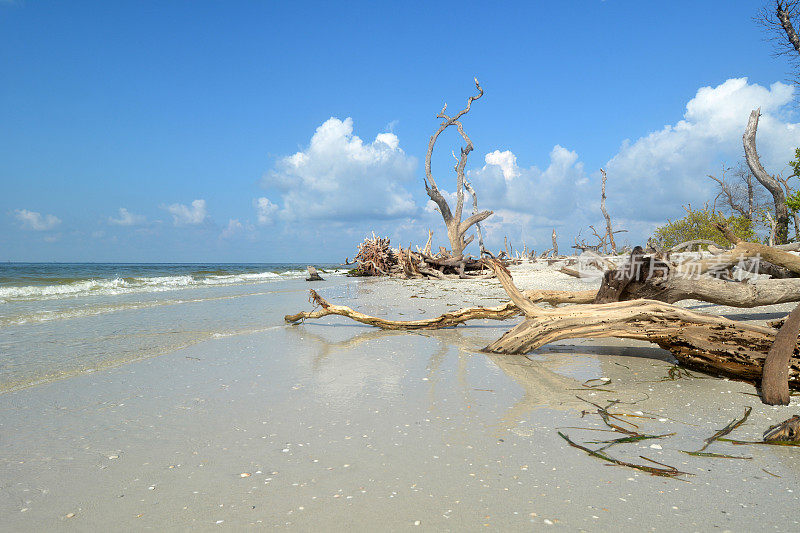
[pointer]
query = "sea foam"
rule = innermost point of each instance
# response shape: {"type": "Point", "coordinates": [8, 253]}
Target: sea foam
{"type": "Point", "coordinates": [116, 286]}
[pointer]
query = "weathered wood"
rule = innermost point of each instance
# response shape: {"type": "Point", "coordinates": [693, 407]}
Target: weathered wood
{"type": "Point", "coordinates": [786, 431]}
{"type": "Point", "coordinates": [456, 228]}
{"type": "Point", "coordinates": [700, 341]}
{"type": "Point", "coordinates": [571, 272]}
{"type": "Point", "coordinates": [445, 320]}
{"type": "Point", "coordinates": [731, 293]}
{"type": "Point", "coordinates": [772, 185]}
{"type": "Point", "coordinates": [313, 275]}
{"type": "Point", "coordinates": [501, 312]}
{"type": "Point", "coordinates": [647, 277]}
{"type": "Point", "coordinates": [689, 244]}
{"type": "Point", "coordinates": [616, 281]}
{"type": "Point", "coordinates": [609, 230]}
{"type": "Point", "coordinates": [775, 379]}
{"type": "Point", "coordinates": [741, 252]}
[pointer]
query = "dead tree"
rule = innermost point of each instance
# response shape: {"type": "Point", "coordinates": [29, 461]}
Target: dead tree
{"type": "Point", "coordinates": [609, 230]}
{"type": "Point", "coordinates": [785, 11]}
{"type": "Point", "coordinates": [771, 184]}
{"type": "Point", "coordinates": [555, 243]}
{"type": "Point", "coordinates": [780, 24]}
{"type": "Point", "coordinates": [456, 228]}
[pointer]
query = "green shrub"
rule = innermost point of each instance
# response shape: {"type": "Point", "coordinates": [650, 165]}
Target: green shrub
{"type": "Point", "coordinates": [699, 224]}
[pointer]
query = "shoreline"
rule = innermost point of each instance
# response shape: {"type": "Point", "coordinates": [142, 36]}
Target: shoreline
{"type": "Point", "coordinates": [337, 424]}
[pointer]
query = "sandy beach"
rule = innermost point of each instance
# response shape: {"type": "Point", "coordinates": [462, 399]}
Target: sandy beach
{"type": "Point", "coordinates": [334, 425]}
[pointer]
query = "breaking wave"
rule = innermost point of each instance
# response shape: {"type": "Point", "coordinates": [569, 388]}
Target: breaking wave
{"type": "Point", "coordinates": [129, 285]}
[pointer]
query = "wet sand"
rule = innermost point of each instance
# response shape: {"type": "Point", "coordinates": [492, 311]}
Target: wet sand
{"type": "Point", "coordinates": [332, 425]}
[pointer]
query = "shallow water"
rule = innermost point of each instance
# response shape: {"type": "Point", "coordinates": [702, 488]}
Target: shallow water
{"type": "Point", "coordinates": [58, 320]}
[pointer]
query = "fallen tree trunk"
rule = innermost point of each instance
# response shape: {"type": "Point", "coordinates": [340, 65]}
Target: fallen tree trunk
{"type": "Point", "coordinates": [673, 289]}
{"type": "Point", "coordinates": [700, 341]}
{"type": "Point", "coordinates": [742, 251]}
{"type": "Point", "coordinates": [647, 277]}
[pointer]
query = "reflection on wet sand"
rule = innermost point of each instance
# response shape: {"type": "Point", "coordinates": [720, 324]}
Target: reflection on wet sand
{"type": "Point", "coordinates": [552, 376]}
{"type": "Point", "coordinates": [542, 387]}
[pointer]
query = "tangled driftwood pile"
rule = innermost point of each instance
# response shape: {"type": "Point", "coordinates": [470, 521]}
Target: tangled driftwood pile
{"type": "Point", "coordinates": [377, 258]}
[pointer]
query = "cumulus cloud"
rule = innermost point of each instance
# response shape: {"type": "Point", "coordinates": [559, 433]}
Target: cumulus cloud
{"type": "Point", "coordinates": [265, 210]}
{"type": "Point", "coordinates": [656, 174]}
{"type": "Point", "coordinates": [233, 227]}
{"type": "Point", "coordinates": [36, 221]}
{"type": "Point", "coordinates": [183, 215]}
{"type": "Point", "coordinates": [548, 193]}
{"type": "Point", "coordinates": [126, 218]}
{"type": "Point", "coordinates": [341, 177]}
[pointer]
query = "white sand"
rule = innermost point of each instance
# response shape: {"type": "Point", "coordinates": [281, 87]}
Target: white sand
{"type": "Point", "coordinates": [337, 425]}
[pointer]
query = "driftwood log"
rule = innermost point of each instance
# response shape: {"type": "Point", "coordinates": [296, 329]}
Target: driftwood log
{"type": "Point", "coordinates": [651, 277]}
{"type": "Point", "coordinates": [699, 341]}
{"type": "Point", "coordinates": [648, 277]}
{"type": "Point", "coordinates": [500, 312]}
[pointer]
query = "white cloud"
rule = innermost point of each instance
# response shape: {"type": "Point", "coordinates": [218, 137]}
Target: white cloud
{"type": "Point", "coordinates": [233, 227]}
{"type": "Point", "coordinates": [507, 162]}
{"type": "Point", "coordinates": [183, 215]}
{"type": "Point", "coordinates": [265, 210]}
{"type": "Point", "coordinates": [126, 218]}
{"type": "Point", "coordinates": [653, 176]}
{"type": "Point", "coordinates": [548, 193]}
{"type": "Point", "coordinates": [339, 177]}
{"type": "Point", "coordinates": [36, 221]}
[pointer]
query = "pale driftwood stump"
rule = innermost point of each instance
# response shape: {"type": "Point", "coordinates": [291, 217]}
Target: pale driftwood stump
{"type": "Point", "coordinates": [313, 275]}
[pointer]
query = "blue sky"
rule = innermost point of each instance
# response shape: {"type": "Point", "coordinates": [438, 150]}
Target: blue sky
{"type": "Point", "coordinates": [278, 131]}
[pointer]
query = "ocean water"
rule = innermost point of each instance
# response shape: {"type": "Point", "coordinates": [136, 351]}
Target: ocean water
{"type": "Point", "coordinates": [63, 319]}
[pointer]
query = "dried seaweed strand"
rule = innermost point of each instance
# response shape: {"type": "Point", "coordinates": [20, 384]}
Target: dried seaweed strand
{"type": "Point", "coordinates": [727, 429]}
{"type": "Point", "coordinates": [770, 443]}
{"type": "Point", "coordinates": [669, 471]}
{"type": "Point", "coordinates": [600, 382]}
{"type": "Point", "coordinates": [632, 438]}
{"type": "Point", "coordinates": [717, 455]}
